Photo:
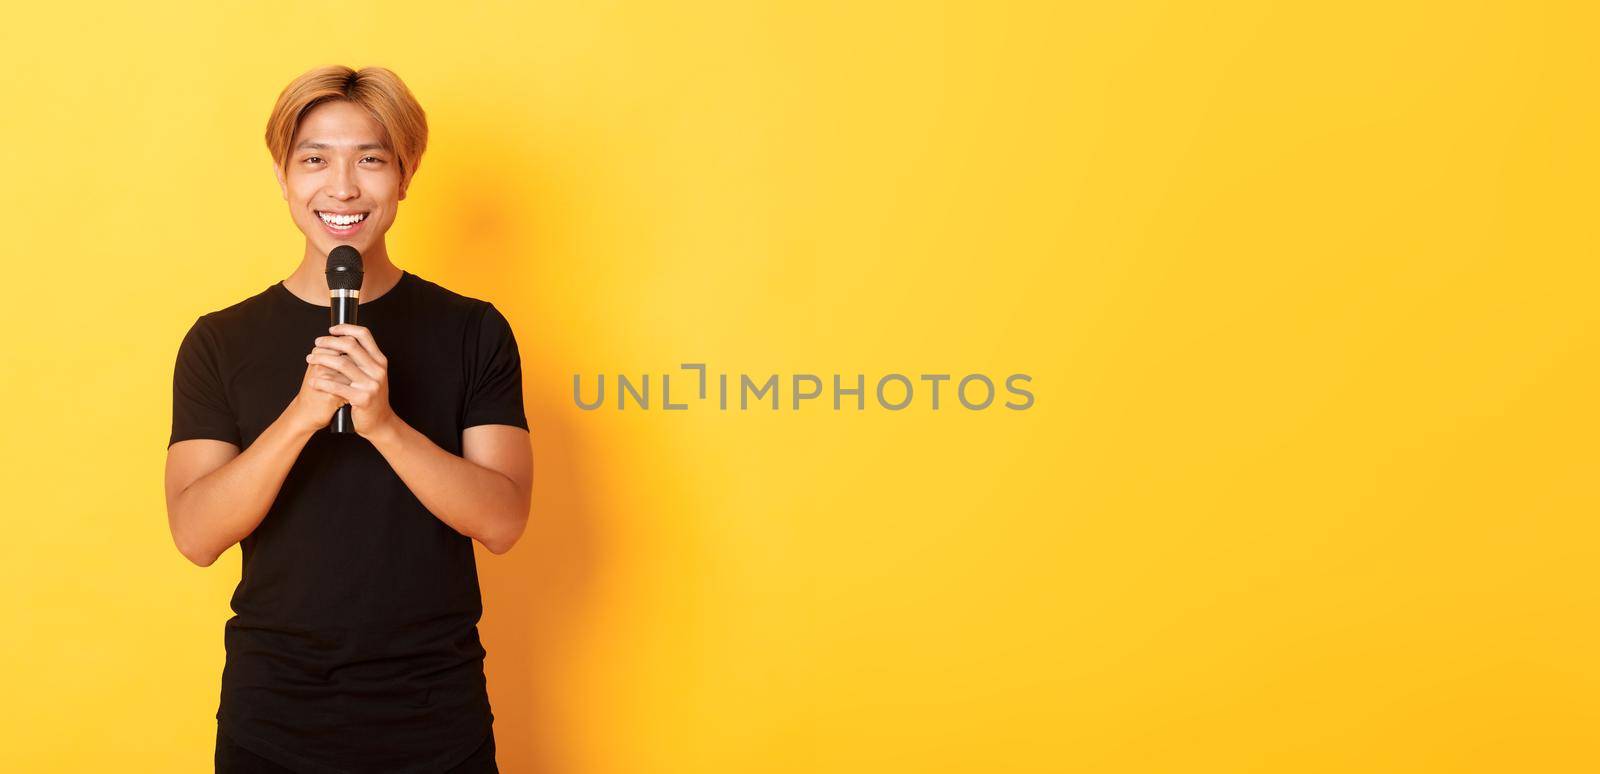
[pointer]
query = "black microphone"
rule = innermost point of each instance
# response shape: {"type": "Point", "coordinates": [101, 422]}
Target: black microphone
{"type": "Point", "coordinates": [344, 298]}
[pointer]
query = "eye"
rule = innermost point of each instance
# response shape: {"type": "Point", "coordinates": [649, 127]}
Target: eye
{"type": "Point", "coordinates": [310, 159]}
{"type": "Point", "coordinates": [374, 158]}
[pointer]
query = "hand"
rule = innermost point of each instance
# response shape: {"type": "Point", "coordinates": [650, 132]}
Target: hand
{"type": "Point", "coordinates": [312, 409]}
{"type": "Point", "coordinates": [350, 352]}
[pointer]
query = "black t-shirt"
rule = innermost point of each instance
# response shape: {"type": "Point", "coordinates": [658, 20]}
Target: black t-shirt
{"type": "Point", "coordinates": [354, 643]}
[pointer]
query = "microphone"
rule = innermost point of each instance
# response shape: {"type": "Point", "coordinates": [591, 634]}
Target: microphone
{"type": "Point", "coordinates": [344, 297]}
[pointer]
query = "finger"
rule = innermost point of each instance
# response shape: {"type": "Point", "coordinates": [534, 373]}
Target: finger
{"type": "Point", "coordinates": [363, 335]}
{"type": "Point", "coordinates": [350, 394]}
{"type": "Point", "coordinates": [319, 371]}
{"type": "Point", "coordinates": [324, 370]}
{"type": "Point", "coordinates": [343, 365]}
{"type": "Point", "coordinates": [339, 368]}
{"type": "Point", "coordinates": [355, 350]}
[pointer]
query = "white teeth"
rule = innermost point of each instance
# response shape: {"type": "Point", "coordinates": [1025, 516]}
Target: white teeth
{"type": "Point", "coordinates": [342, 220]}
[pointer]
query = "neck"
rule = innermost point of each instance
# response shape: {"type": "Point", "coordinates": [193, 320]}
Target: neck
{"type": "Point", "coordinates": [310, 279]}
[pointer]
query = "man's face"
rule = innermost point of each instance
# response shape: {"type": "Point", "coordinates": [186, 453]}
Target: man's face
{"type": "Point", "coordinates": [339, 168]}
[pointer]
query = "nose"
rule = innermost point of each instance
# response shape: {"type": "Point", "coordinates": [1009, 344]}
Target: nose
{"type": "Point", "coordinates": [344, 184]}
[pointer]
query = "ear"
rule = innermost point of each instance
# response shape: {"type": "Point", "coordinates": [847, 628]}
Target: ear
{"type": "Point", "coordinates": [403, 185]}
{"type": "Point", "coordinates": [282, 186]}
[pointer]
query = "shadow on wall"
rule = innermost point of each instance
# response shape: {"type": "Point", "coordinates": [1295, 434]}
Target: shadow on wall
{"type": "Point", "coordinates": [489, 211]}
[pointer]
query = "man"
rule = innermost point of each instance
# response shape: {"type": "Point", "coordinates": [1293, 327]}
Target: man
{"type": "Point", "coordinates": [354, 644]}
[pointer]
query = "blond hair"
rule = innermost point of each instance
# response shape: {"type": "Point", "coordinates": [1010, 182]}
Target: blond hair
{"type": "Point", "coordinates": [377, 89]}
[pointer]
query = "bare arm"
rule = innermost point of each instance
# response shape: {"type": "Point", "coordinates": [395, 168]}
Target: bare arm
{"type": "Point", "coordinates": [217, 495]}
{"type": "Point", "coordinates": [233, 490]}
{"type": "Point", "coordinates": [484, 495]}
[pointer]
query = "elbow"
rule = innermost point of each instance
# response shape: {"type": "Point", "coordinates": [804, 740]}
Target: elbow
{"type": "Point", "coordinates": [502, 542]}
{"type": "Point", "coordinates": [196, 555]}
{"type": "Point", "coordinates": [499, 545]}
{"type": "Point", "coordinates": [184, 541]}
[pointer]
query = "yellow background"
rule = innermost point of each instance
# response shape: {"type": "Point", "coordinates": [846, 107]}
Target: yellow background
{"type": "Point", "coordinates": [1307, 295]}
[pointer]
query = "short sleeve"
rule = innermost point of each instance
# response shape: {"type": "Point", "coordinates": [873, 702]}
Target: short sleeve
{"type": "Point", "coordinates": [199, 402]}
{"type": "Point", "coordinates": [494, 389]}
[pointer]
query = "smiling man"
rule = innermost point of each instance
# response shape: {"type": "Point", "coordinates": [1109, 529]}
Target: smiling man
{"type": "Point", "coordinates": [354, 644]}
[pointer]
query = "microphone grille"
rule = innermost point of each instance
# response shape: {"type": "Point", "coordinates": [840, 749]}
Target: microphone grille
{"type": "Point", "coordinates": [344, 268]}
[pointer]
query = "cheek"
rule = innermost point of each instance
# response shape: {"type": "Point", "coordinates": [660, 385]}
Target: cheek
{"type": "Point", "coordinates": [297, 199]}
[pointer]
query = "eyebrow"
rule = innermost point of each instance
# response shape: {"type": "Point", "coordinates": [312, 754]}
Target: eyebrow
{"type": "Point", "coordinates": [309, 145]}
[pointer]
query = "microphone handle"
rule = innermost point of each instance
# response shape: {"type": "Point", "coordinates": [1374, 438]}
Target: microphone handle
{"type": "Point", "coordinates": [342, 309]}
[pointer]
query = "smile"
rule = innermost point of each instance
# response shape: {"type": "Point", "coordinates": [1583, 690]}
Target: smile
{"type": "Point", "coordinates": [342, 224]}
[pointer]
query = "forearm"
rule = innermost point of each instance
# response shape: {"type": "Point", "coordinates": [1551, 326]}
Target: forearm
{"type": "Point", "coordinates": [224, 506]}
{"type": "Point", "coordinates": [474, 500]}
